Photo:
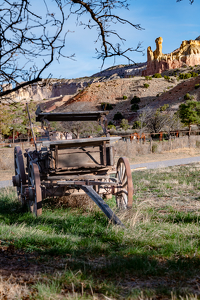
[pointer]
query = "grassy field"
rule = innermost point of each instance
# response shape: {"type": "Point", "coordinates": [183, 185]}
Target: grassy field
{"type": "Point", "coordinates": [75, 253]}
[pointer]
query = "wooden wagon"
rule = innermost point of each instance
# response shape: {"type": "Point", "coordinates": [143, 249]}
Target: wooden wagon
{"type": "Point", "coordinates": [74, 166]}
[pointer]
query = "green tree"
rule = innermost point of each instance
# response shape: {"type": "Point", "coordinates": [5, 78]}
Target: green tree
{"type": "Point", "coordinates": [124, 124]}
{"type": "Point", "coordinates": [189, 113]}
{"type": "Point", "coordinates": [14, 118]}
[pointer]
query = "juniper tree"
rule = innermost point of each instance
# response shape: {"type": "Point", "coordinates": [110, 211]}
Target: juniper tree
{"type": "Point", "coordinates": [189, 113]}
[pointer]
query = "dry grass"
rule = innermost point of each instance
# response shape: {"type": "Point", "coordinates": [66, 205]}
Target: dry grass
{"type": "Point", "coordinates": [14, 288]}
{"type": "Point", "coordinates": [180, 147]}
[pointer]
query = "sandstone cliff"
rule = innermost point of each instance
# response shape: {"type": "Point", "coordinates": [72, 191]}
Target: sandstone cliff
{"type": "Point", "coordinates": [188, 54]}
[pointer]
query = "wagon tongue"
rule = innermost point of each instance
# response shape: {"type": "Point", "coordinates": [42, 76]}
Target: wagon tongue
{"type": "Point", "coordinates": [102, 204]}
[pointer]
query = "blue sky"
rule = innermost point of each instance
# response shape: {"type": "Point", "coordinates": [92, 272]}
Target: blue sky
{"type": "Point", "coordinates": [173, 21]}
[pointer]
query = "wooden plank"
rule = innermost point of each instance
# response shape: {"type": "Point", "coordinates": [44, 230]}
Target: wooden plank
{"type": "Point", "coordinates": [102, 204]}
{"type": "Point", "coordinates": [86, 182]}
{"type": "Point", "coordinates": [80, 177]}
{"type": "Point", "coordinates": [80, 142]}
{"type": "Point", "coordinates": [71, 116]}
{"type": "Point", "coordinates": [104, 153]}
{"type": "Point", "coordinates": [56, 157]}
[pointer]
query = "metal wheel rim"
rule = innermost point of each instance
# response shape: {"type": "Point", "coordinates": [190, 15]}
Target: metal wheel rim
{"type": "Point", "coordinates": [124, 197]}
{"type": "Point", "coordinates": [35, 205]}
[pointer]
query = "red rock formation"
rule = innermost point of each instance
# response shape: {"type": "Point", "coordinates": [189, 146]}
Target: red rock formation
{"type": "Point", "coordinates": [187, 54]}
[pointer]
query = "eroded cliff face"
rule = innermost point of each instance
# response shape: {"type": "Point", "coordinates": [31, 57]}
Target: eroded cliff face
{"type": "Point", "coordinates": [51, 89]}
{"type": "Point", "coordinates": [54, 88]}
{"type": "Point", "coordinates": [157, 62]}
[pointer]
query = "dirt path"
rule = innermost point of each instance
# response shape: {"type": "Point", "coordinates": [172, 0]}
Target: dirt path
{"type": "Point", "coordinates": [154, 157]}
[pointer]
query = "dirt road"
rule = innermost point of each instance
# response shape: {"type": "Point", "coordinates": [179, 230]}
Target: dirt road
{"type": "Point", "coordinates": [140, 166]}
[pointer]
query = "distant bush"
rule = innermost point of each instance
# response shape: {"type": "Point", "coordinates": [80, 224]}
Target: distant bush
{"type": "Point", "coordinates": [146, 85]}
{"type": "Point", "coordinates": [134, 107]}
{"type": "Point", "coordinates": [164, 107]}
{"type": "Point", "coordinates": [198, 144]}
{"type": "Point", "coordinates": [157, 75]}
{"type": "Point", "coordinates": [135, 100]}
{"type": "Point", "coordinates": [118, 116]}
{"type": "Point", "coordinates": [166, 77]}
{"type": "Point", "coordinates": [197, 86]}
{"type": "Point", "coordinates": [124, 124]}
{"type": "Point", "coordinates": [155, 148]}
{"type": "Point", "coordinates": [124, 97]}
{"type": "Point", "coordinates": [136, 125]}
{"type": "Point", "coordinates": [188, 96]}
{"type": "Point", "coordinates": [185, 75]}
{"type": "Point", "coordinates": [148, 77]}
{"type": "Point", "coordinates": [194, 74]}
{"type": "Point", "coordinates": [106, 106]}
{"type": "Point", "coordinates": [112, 126]}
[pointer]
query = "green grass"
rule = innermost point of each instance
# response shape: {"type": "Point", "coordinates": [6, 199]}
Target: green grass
{"type": "Point", "coordinates": [156, 256]}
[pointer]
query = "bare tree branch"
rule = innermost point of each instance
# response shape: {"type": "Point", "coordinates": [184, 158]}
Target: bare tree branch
{"type": "Point", "coordinates": [31, 41]}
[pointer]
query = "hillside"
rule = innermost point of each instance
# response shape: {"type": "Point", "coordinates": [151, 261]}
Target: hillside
{"type": "Point", "coordinates": [116, 87]}
{"type": "Point", "coordinates": [119, 92]}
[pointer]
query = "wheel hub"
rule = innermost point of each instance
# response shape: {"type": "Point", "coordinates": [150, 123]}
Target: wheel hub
{"type": "Point", "coordinates": [16, 180]}
{"type": "Point", "coordinates": [30, 193]}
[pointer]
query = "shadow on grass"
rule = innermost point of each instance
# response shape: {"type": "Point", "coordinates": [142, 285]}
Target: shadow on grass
{"type": "Point", "coordinates": [96, 251]}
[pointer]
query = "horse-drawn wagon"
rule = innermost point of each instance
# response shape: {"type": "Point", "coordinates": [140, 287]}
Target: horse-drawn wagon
{"type": "Point", "coordinates": [74, 166]}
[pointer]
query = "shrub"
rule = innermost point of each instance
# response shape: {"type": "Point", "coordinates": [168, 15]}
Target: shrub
{"type": "Point", "coordinates": [148, 77]}
{"type": "Point", "coordinates": [194, 74]}
{"type": "Point", "coordinates": [118, 116]}
{"type": "Point", "coordinates": [187, 96]}
{"type": "Point", "coordinates": [154, 148]}
{"type": "Point", "coordinates": [185, 75]}
{"type": "Point", "coordinates": [134, 107]}
{"type": "Point", "coordinates": [135, 100]}
{"type": "Point", "coordinates": [124, 124]}
{"type": "Point", "coordinates": [198, 144]}
{"type": "Point", "coordinates": [124, 97]}
{"type": "Point", "coordinates": [136, 125]}
{"type": "Point", "coordinates": [197, 86]}
{"type": "Point", "coordinates": [106, 106]}
{"type": "Point", "coordinates": [146, 85]}
{"type": "Point", "coordinates": [166, 77]}
{"type": "Point", "coordinates": [164, 107]}
{"type": "Point", "coordinates": [157, 75]}
{"type": "Point", "coordinates": [112, 126]}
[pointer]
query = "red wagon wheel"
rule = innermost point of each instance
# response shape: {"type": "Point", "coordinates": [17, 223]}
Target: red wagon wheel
{"type": "Point", "coordinates": [34, 192]}
{"type": "Point", "coordinates": [124, 194]}
{"type": "Point", "coordinates": [19, 180]}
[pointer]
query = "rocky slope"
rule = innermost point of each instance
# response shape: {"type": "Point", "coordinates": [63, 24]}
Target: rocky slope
{"type": "Point", "coordinates": [112, 87]}
{"type": "Point", "coordinates": [120, 91]}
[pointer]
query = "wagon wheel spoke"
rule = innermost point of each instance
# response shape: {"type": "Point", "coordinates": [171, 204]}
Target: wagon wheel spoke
{"type": "Point", "coordinates": [19, 180]}
{"type": "Point", "coordinates": [34, 190]}
{"type": "Point", "coordinates": [124, 196]}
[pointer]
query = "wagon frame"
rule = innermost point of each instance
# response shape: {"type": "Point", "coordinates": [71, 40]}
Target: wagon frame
{"type": "Point", "coordinates": [74, 166]}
